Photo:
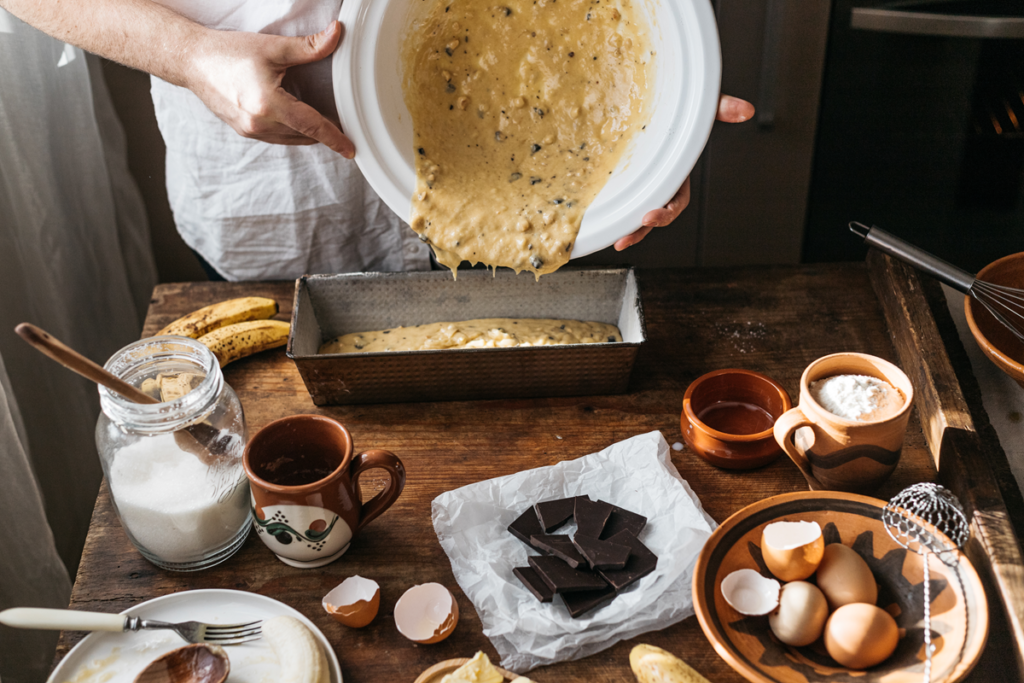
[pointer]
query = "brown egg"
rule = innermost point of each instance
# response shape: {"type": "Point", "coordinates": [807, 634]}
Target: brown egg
{"type": "Point", "coordinates": [426, 613]}
{"type": "Point", "coordinates": [792, 550]}
{"type": "Point", "coordinates": [800, 617]}
{"type": "Point", "coordinates": [353, 602]}
{"type": "Point", "coordinates": [844, 577]}
{"type": "Point", "coordinates": [859, 636]}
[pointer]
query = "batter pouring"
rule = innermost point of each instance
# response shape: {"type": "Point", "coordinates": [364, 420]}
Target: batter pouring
{"type": "Point", "coordinates": [520, 114]}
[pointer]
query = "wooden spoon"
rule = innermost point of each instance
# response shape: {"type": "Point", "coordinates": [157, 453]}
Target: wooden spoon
{"type": "Point", "coordinates": [200, 663]}
{"type": "Point", "coordinates": [199, 439]}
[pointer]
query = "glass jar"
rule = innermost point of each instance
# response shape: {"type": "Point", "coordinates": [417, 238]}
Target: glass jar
{"type": "Point", "coordinates": [175, 468]}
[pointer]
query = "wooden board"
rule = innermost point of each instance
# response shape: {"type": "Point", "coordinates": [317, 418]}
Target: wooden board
{"type": "Point", "coordinates": [775, 320]}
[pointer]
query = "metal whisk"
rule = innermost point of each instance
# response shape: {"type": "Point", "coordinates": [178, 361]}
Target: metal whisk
{"type": "Point", "coordinates": [911, 519]}
{"type": "Point", "coordinates": [1006, 304]}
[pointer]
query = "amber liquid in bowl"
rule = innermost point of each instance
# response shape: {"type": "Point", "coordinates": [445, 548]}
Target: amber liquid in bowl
{"type": "Point", "coordinates": [736, 417]}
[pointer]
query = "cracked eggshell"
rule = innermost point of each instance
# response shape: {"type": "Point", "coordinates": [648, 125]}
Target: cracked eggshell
{"type": "Point", "coordinates": [426, 613]}
{"type": "Point", "coordinates": [792, 550]}
{"type": "Point", "coordinates": [749, 593]}
{"type": "Point", "coordinates": [353, 602]}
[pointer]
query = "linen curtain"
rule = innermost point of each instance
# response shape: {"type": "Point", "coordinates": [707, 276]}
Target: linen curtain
{"type": "Point", "coordinates": [75, 259]}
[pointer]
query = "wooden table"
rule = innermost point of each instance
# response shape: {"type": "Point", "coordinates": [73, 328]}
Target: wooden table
{"type": "Point", "coordinates": [774, 320]}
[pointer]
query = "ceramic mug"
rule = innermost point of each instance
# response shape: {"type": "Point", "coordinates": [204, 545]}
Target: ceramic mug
{"type": "Point", "coordinates": [304, 484]}
{"type": "Point", "coordinates": [842, 454]}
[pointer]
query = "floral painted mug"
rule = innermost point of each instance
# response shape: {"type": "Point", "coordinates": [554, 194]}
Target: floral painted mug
{"type": "Point", "coordinates": [304, 485]}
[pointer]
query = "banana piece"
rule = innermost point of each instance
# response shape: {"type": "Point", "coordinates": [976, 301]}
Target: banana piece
{"type": "Point", "coordinates": [651, 664]}
{"type": "Point", "coordinates": [236, 341]}
{"type": "Point", "coordinates": [299, 656]}
{"type": "Point", "coordinates": [215, 316]}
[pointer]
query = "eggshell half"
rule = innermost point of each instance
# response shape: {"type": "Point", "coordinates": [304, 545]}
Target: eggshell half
{"type": "Point", "coordinates": [750, 593]}
{"type": "Point", "coordinates": [353, 602]}
{"type": "Point", "coordinates": [792, 550]}
{"type": "Point", "coordinates": [845, 578]}
{"type": "Point", "coordinates": [426, 613]}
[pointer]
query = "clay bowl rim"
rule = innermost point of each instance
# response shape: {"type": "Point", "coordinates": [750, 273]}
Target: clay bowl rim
{"type": "Point", "coordinates": [1004, 362]}
{"type": "Point", "coordinates": [971, 650]}
{"type": "Point", "coordinates": [692, 418]}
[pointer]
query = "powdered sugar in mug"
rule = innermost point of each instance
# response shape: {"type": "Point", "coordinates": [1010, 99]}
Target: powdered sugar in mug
{"type": "Point", "coordinates": [847, 432]}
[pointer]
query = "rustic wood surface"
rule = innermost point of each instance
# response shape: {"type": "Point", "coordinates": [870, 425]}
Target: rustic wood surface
{"type": "Point", "coordinates": [965, 466]}
{"type": "Point", "coordinates": [775, 320]}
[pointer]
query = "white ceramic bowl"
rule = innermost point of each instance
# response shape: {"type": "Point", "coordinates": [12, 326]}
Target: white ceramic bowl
{"type": "Point", "coordinates": [688, 68]}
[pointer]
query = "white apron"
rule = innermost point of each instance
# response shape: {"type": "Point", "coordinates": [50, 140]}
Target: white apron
{"type": "Point", "coordinates": [259, 211]}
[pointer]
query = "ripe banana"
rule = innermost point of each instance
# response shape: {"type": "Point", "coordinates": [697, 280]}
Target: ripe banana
{"type": "Point", "coordinates": [236, 341]}
{"type": "Point", "coordinates": [653, 665]}
{"type": "Point", "coordinates": [215, 316]}
{"type": "Point", "coordinates": [299, 655]}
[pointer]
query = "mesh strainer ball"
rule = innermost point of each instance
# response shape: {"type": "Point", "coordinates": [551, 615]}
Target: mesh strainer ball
{"type": "Point", "coordinates": [937, 508]}
{"type": "Point", "coordinates": [911, 518]}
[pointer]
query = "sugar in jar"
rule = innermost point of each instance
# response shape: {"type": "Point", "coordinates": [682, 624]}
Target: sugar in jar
{"type": "Point", "coordinates": [175, 467]}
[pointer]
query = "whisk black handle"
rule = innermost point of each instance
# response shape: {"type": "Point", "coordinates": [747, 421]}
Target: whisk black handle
{"type": "Point", "coordinates": [919, 258]}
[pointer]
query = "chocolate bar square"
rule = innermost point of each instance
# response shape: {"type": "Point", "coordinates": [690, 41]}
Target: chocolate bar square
{"type": "Point", "coordinates": [560, 546]}
{"type": "Point", "coordinates": [562, 578]}
{"type": "Point", "coordinates": [534, 583]}
{"type": "Point", "coordinates": [582, 602]}
{"type": "Point", "coordinates": [641, 562]}
{"type": "Point", "coordinates": [601, 554]}
{"type": "Point", "coordinates": [623, 520]}
{"type": "Point", "coordinates": [526, 525]}
{"type": "Point", "coordinates": [554, 513]}
{"type": "Point", "coordinates": [591, 516]}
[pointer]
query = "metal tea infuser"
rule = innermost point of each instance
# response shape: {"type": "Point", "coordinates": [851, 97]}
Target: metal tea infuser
{"type": "Point", "coordinates": [909, 519]}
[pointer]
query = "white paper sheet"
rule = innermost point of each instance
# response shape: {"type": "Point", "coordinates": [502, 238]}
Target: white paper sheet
{"type": "Point", "coordinates": [636, 474]}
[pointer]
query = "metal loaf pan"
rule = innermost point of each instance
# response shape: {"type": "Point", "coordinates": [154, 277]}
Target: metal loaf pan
{"type": "Point", "coordinates": [327, 306]}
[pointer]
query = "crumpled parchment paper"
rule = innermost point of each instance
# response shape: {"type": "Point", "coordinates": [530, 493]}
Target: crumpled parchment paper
{"type": "Point", "coordinates": [636, 474]}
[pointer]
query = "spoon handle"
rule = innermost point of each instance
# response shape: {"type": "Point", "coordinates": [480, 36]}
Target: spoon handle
{"type": "Point", "coordinates": [61, 619]}
{"type": "Point", "coordinates": [76, 362]}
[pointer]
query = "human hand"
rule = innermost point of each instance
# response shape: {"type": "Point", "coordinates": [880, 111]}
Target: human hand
{"type": "Point", "coordinates": [730, 110]}
{"type": "Point", "coordinates": [238, 76]}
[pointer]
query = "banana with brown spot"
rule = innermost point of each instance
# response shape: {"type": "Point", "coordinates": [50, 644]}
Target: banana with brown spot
{"type": "Point", "coordinates": [223, 313]}
{"type": "Point", "coordinates": [243, 339]}
{"type": "Point", "coordinates": [651, 664]}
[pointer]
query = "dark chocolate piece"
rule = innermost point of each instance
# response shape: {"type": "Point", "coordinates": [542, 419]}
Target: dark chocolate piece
{"type": "Point", "coordinates": [562, 578]}
{"type": "Point", "coordinates": [534, 583]}
{"type": "Point", "coordinates": [641, 562]}
{"type": "Point", "coordinates": [602, 554]}
{"type": "Point", "coordinates": [591, 516]}
{"type": "Point", "coordinates": [526, 525]}
{"type": "Point", "coordinates": [623, 520]}
{"type": "Point", "coordinates": [560, 546]}
{"type": "Point", "coordinates": [554, 513]}
{"type": "Point", "coordinates": [584, 601]}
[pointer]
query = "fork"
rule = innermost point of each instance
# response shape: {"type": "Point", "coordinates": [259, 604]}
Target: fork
{"type": "Point", "coordinates": [74, 620]}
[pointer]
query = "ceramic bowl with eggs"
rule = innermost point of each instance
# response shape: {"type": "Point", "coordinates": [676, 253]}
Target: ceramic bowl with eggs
{"type": "Point", "coordinates": [959, 611]}
{"type": "Point", "coordinates": [684, 36]}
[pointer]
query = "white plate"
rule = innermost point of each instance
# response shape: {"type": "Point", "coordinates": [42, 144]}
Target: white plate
{"type": "Point", "coordinates": [688, 68]}
{"type": "Point", "coordinates": [119, 657]}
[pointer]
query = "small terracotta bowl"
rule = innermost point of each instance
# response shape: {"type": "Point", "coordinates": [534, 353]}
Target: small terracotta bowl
{"type": "Point", "coordinates": [728, 416]}
{"type": "Point", "coordinates": [998, 343]}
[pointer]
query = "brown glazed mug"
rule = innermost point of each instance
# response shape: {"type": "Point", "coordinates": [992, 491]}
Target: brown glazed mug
{"type": "Point", "coordinates": [304, 482]}
{"type": "Point", "coordinates": [837, 453]}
